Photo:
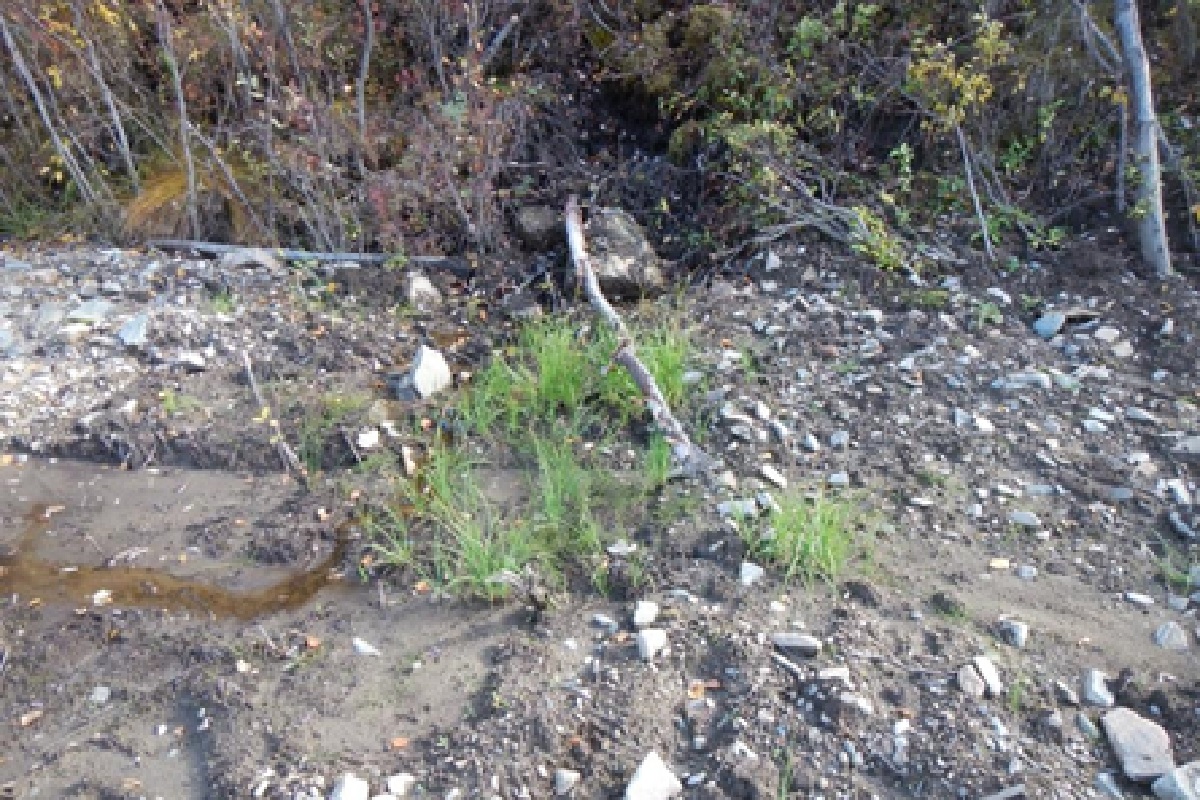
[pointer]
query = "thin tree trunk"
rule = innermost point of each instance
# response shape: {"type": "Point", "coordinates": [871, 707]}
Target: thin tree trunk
{"type": "Point", "coordinates": [1152, 229]}
{"type": "Point", "coordinates": [185, 139]}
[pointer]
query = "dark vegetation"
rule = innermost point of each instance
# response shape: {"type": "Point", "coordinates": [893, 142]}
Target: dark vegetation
{"type": "Point", "coordinates": [420, 126]}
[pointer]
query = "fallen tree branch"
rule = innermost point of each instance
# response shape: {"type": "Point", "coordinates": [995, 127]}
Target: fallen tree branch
{"type": "Point", "coordinates": [693, 462]}
{"type": "Point", "coordinates": [448, 263]}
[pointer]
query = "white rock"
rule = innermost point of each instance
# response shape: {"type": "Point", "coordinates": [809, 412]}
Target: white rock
{"type": "Point", "coordinates": [750, 573]}
{"type": "Point", "coordinates": [970, 681]}
{"type": "Point", "coordinates": [653, 781]}
{"type": "Point", "coordinates": [1095, 689]}
{"type": "Point", "coordinates": [651, 642]}
{"type": "Point", "coordinates": [401, 784]}
{"type": "Point", "coordinates": [348, 786]}
{"type": "Point", "coordinates": [1026, 519]}
{"type": "Point", "coordinates": [368, 438]}
{"type": "Point", "coordinates": [990, 675]}
{"type": "Point", "coordinates": [430, 372]}
{"type": "Point", "coordinates": [984, 425]}
{"type": "Point", "coordinates": [644, 613]}
{"type": "Point", "coordinates": [1181, 783]}
{"type": "Point", "coordinates": [773, 475]}
{"type": "Point", "coordinates": [1107, 334]}
{"type": "Point", "coordinates": [565, 780]}
{"type": "Point", "coordinates": [420, 291]}
{"type": "Point", "coordinates": [1142, 746]}
{"type": "Point", "coordinates": [1139, 599]}
{"type": "Point", "coordinates": [364, 648]}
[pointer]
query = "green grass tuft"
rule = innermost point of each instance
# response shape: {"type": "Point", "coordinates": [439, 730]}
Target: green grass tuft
{"type": "Point", "coordinates": [808, 538]}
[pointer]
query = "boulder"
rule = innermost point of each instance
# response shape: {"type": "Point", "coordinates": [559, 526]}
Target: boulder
{"type": "Point", "coordinates": [623, 260]}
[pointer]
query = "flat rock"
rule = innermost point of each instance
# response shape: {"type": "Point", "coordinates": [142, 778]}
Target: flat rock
{"type": "Point", "coordinates": [135, 332]}
{"type": "Point", "coordinates": [971, 682]}
{"type": "Point", "coordinates": [1142, 746]}
{"type": "Point", "coordinates": [1049, 324]}
{"type": "Point", "coordinates": [791, 643]}
{"type": "Point", "coordinates": [653, 780]}
{"type": "Point", "coordinates": [1187, 449]}
{"type": "Point", "coordinates": [1171, 636]}
{"type": "Point", "coordinates": [1026, 519]}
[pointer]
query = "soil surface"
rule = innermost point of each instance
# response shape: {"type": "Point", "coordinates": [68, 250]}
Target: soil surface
{"type": "Point", "coordinates": [189, 613]}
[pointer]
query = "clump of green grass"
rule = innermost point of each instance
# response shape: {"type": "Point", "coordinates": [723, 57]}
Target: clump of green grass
{"type": "Point", "coordinates": [562, 516]}
{"type": "Point", "coordinates": [809, 538]}
{"type": "Point", "coordinates": [656, 463]}
{"type": "Point", "coordinates": [331, 410]}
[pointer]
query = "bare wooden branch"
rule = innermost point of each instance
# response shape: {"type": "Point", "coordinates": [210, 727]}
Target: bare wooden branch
{"type": "Point", "coordinates": [693, 462]}
{"type": "Point", "coordinates": [983, 226]}
{"type": "Point", "coordinates": [450, 264]}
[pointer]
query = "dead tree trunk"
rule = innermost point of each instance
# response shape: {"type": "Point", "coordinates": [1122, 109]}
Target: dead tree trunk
{"type": "Point", "coordinates": [1152, 229]}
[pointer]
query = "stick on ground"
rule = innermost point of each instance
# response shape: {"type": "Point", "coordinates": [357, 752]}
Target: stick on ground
{"type": "Point", "coordinates": [693, 462]}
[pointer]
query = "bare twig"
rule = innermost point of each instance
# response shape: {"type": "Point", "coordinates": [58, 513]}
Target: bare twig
{"type": "Point", "coordinates": [693, 461]}
{"type": "Point", "coordinates": [983, 227]}
{"type": "Point", "coordinates": [64, 152]}
{"type": "Point", "coordinates": [364, 68]}
{"type": "Point", "coordinates": [286, 454]}
{"type": "Point", "coordinates": [165, 36]}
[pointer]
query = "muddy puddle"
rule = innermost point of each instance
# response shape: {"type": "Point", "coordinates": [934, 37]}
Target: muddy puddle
{"type": "Point", "coordinates": [68, 540]}
{"type": "Point", "coordinates": [225, 648]}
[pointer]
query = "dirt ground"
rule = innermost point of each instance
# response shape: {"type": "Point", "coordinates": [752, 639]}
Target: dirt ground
{"type": "Point", "coordinates": [199, 625]}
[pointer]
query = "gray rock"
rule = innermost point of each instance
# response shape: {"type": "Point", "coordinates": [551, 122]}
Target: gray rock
{"type": "Point", "coordinates": [1094, 426]}
{"type": "Point", "coordinates": [606, 623]}
{"type": "Point", "coordinates": [1106, 782]}
{"type": "Point", "coordinates": [738, 509]}
{"type": "Point", "coordinates": [100, 695]}
{"type": "Point", "coordinates": [1049, 324]}
{"type": "Point", "coordinates": [810, 443]}
{"type": "Point", "coordinates": [1181, 527]}
{"type": "Point", "coordinates": [839, 479]}
{"type": "Point", "coordinates": [1095, 689]}
{"type": "Point", "coordinates": [565, 780]}
{"type": "Point", "coordinates": [430, 372]}
{"type": "Point", "coordinates": [348, 786]}
{"type": "Point", "coordinates": [1187, 449]}
{"type": "Point", "coordinates": [623, 260]}
{"type": "Point", "coordinates": [1140, 415]}
{"type": "Point", "coordinates": [92, 312]}
{"type": "Point", "coordinates": [971, 682]}
{"type": "Point", "coordinates": [1016, 381]}
{"type": "Point", "coordinates": [792, 643]}
{"type": "Point", "coordinates": [540, 227]}
{"type": "Point", "coordinates": [1142, 746]}
{"type": "Point", "coordinates": [1026, 519]}
{"type": "Point", "coordinates": [1171, 636]}
{"type": "Point", "coordinates": [1107, 334]}
{"type": "Point", "coordinates": [653, 780]}
{"type": "Point", "coordinates": [650, 642]}
{"type": "Point", "coordinates": [14, 264]}
{"type": "Point", "coordinates": [839, 439]}
{"type": "Point", "coordinates": [1181, 783]}
{"type": "Point", "coordinates": [135, 332]}
{"type": "Point", "coordinates": [1026, 572]}
{"type": "Point", "coordinates": [1085, 725]}
{"type": "Point", "coordinates": [1014, 632]}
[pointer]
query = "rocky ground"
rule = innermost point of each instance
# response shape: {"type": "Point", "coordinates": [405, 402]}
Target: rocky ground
{"type": "Point", "coordinates": [184, 617]}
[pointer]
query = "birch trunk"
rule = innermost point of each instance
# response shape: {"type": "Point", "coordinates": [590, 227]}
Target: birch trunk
{"type": "Point", "coordinates": [1152, 229]}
